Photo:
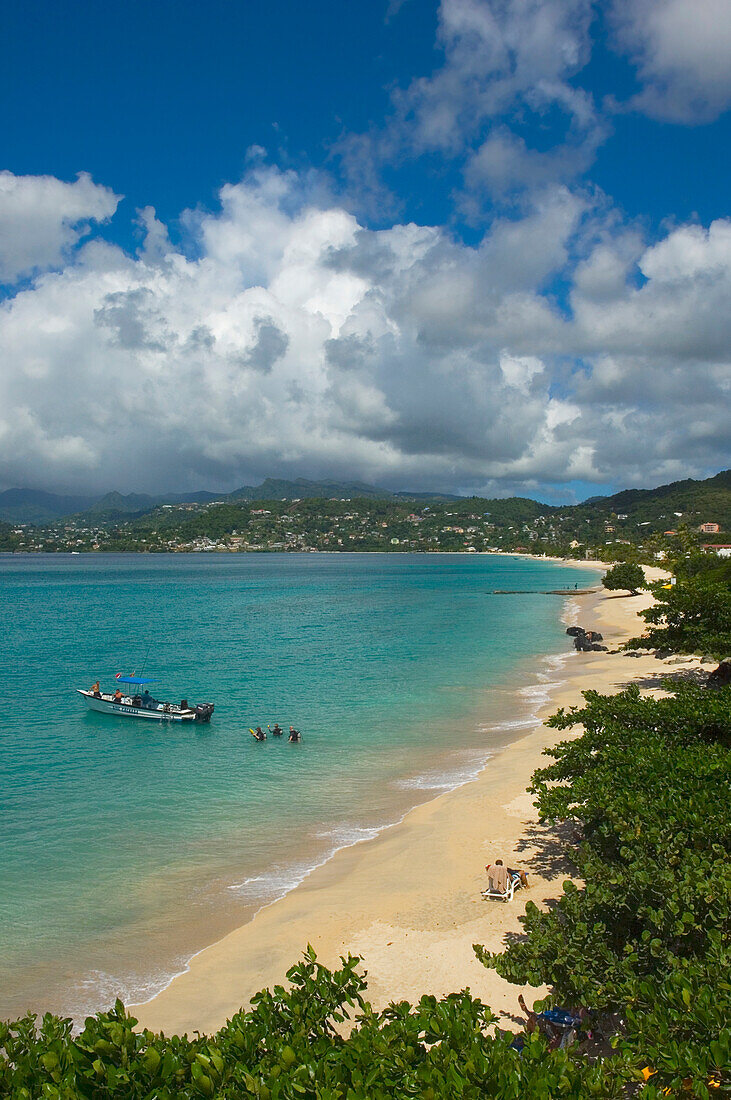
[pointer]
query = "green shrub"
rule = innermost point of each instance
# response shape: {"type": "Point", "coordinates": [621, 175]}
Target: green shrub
{"type": "Point", "coordinates": [288, 1048]}
{"type": "Point", "coordinates": [648, 935]}
{"type": "Point", "coordinates": [692, 616]}
{"type": "Point", "coordinates": [625, 576]}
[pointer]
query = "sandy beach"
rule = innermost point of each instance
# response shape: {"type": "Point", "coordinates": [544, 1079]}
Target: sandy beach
{"type": "Point", "coordinates": [408, 902]}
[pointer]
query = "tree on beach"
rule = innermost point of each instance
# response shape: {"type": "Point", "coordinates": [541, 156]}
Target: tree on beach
{"type": "Point", "coordinates": [625, 576]}
{"type": "Point", "coordinates": [692, 616]}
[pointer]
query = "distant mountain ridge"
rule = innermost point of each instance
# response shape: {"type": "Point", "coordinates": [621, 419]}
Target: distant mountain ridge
{"type": "Point", "coordinates": [39, 507]}
{"type": "Point", "coordinates": [711, 495]}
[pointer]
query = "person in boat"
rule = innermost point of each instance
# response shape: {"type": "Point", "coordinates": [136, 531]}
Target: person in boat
{"type": "Point", "coordinates": [147, 700]}
{"type": "Point", "coordinates": [259, 734]}
{"type": "Point", "coordinates": [277, 731]}
{"type": "Point", "coordinates": [117, 697]}
{"type": "Point", "coordinates": [96, 690]}
{"type": "Point", "coordinates": [294, 735]}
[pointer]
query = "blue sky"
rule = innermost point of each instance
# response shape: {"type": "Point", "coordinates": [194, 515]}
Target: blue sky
{"type": "Point", "coordinates": [467, 244]}
{"type": "Point", "coordinates": [162, 100]}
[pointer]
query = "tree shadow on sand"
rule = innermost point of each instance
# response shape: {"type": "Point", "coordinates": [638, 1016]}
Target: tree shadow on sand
{"type": "Point", "coordinates": [550, 848]}
{"type": "Point", "coordinates": [659, 679]}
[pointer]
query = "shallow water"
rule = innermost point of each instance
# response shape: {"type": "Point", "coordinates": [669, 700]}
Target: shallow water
{"type": "Point", "coordinates": [127, 845]}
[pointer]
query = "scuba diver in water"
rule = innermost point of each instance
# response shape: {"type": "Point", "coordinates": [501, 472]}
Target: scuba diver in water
{"type": "Point", "coordinates": [277, 731]}
{"type": "Point", "coordinates": [259, 734]}
{"type": "Point", "coordinates": [294, 735]}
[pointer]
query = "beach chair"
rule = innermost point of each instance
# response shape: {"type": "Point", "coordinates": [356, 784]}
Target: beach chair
{"type": "Point", "coordinates": [514, 884]}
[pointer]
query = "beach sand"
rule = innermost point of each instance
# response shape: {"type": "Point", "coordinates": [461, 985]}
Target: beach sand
{"type": "Point", "coordinates": [408, 902]}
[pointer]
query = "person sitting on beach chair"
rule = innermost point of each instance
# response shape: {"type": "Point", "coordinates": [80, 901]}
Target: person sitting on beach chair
{"type": "Point", "coordinates": [497, 877]}
{"type": "Point", "coordinates": [502, 882]}
{"type": "Point", "coordinates": [516, 871]}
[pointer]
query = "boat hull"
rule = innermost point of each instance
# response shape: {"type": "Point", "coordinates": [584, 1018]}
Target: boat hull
{"type": "Point", "coordinates": [126, 710]}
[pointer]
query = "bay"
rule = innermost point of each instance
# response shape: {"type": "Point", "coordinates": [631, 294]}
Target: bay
{"type": "Point", "coordinates": [125, 848]}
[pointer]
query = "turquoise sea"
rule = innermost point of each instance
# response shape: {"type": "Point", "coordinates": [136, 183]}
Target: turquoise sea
{"type": "Point", "coordinates": [126, 846]}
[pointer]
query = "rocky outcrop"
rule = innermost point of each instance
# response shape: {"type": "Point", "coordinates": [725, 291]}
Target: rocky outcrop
{"type": "Point", "coordinates": [586, 641]}
{"type": "Point", "coordinates": [584, 644]}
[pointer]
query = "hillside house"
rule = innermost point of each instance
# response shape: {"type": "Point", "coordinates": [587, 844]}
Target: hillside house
{"type": "Point", "coordinates": [723, 549]}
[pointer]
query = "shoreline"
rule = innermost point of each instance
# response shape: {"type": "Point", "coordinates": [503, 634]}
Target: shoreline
{"type": "Point", "coordinates": [580, 562]}
{"type": "Point", "coordinates": [188, 912]}
{"type": "Point", "coordinates": [408, 900]}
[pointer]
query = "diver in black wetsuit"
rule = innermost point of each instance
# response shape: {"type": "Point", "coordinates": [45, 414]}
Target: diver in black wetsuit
{"type": "Point", "coordinates": [294, 735]}
{"type": "Point", "coordinates": [277, 731]}
{"type": "Point", "coordinates": [259, 734]}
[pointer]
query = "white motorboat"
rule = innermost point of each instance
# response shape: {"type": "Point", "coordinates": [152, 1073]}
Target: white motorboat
{"type": "Point", "coordinates": [140, 704]}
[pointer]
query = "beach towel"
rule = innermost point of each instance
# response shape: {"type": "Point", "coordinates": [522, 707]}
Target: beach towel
{"type": "Point", "coordinates": [498, 878]}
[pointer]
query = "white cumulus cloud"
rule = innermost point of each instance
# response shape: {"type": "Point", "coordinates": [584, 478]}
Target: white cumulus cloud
{"type": "Point", "coordinates": [43, 218]}
{"type": "Point", "coordinates": [291, 340]}
{"type": "Point", "coordinates": [503, 61]}
{"type": "Point", "coordinates": [682, 50]}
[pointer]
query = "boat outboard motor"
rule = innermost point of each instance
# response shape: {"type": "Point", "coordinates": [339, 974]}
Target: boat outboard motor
{"type": "Point", "coordinates": [203, 712]}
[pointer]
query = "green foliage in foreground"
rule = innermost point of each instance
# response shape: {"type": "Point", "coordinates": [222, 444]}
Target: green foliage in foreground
{"type": "Point", "coordinates": [287, 1047]}
{"type": "Point", "coordinates": [692, 616]}
{"type": "Point", "coordinates": [625, 576]}
{"type": "Point", "coordinates": [649, 935]}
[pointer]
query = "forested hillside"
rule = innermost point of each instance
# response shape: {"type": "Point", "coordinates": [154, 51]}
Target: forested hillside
{"type": "Point", "coordinates": [633, 525]}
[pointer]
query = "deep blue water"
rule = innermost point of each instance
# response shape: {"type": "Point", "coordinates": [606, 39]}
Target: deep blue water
{"type": "Point", "coordinates": [126, 844]}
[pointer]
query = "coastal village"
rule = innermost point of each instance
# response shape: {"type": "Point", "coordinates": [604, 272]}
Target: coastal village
{"type": "Point", "coordinates": [342, 524]}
